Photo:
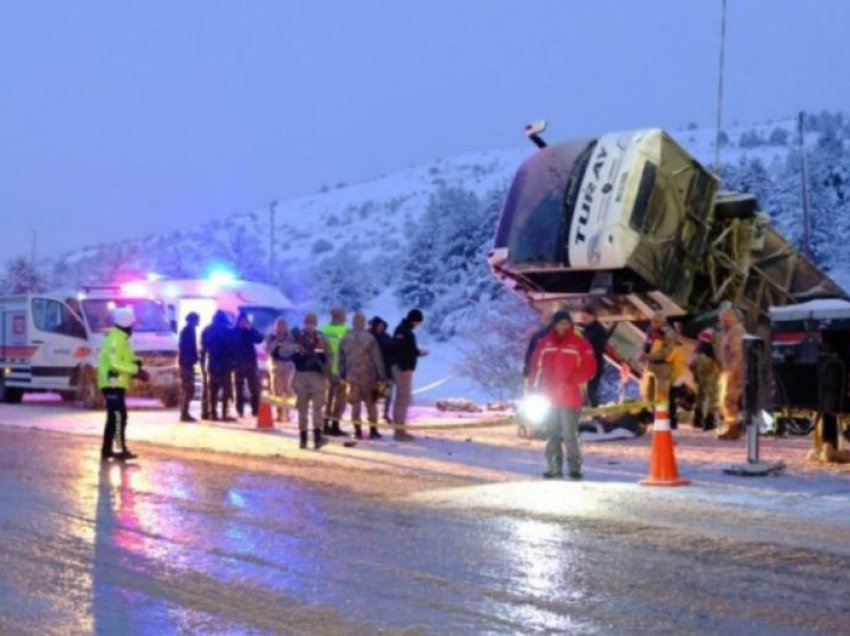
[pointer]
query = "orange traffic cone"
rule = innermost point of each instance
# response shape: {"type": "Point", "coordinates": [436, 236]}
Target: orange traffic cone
{"type": "Point", "coordinates": [662, 464]}
{"type": "Point", "coordinates": [265, 419]}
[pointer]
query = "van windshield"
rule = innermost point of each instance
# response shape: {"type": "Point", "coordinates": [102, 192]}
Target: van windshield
{"type": "Point", "coordinates": [150, 315]}
{"type": "Point", "coordinates": [263, 318]}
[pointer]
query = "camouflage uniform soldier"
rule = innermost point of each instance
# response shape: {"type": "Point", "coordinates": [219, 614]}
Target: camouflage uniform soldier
{"type": "Point", "coordinates": [731, 357]}
{"type": "Point", "coordinates": [280, 345]}
{"type": "Point", "coordinates": [706, 370]}
{"type": "Point", "coordinates": [361, 366]}
{"type": "Point", "coordinates": [659, 349]}
{"type": "Point", "coordinates": [311, 370]}
{"type": "Point", "coordinates": [333, 333]}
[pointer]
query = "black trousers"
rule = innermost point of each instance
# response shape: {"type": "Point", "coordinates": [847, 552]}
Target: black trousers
{"type": "Point", "coordinates": [252, 379]}
{"type": "Point", "coordinates": [116, 420]}
{"type": "Point", "coordinates": [187, 388]}
{"type": "Point", "coordinates": [221, 386]}
{"type": "Point", "coordinates": [593, 385]}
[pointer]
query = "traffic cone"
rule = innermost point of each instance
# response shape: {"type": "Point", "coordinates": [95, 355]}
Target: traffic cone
{"type": "Point", "coordinates": [662, 463]}
{"type": "Point", "coordinates": [265, 419]}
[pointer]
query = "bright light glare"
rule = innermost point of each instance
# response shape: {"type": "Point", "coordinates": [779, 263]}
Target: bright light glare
{"type": "Point", "coordinates": [134, 289]}
{"type": "Point", "coordinates": [534, 407]}
{"type": "Point", "coordinates": [766, 423]}
{"type": "Point", "coordinates": [152, 276]}
{"type": "Point", "coordinates": [171, 291]}
{"type": "Point", "coordinates": [221, 277]}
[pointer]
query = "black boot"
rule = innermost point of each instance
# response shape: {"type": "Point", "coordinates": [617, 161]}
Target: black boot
{"type": "Point", "coordinates": [303, 443]}
{"type": "Point", "coordinates": [336, 431]}
{"type": "Point", "coordinates": [708, 423]}
{"type": "Point", "coordinates": [126, 454]}
{"type": "Point", "coordinates": [326, 429]}
{"type": "Point", "coordinates": [358, 431]}
{"type": "Point", "coordinates": [318, 440]}
{"type": "Point", "coordinates": [373, 433]}
{"type": "Point", "coordinates": [698, 418]}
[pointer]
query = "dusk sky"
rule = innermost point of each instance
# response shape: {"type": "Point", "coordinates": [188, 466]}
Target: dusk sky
{"type": "Point", "coordinates": [122, 119]}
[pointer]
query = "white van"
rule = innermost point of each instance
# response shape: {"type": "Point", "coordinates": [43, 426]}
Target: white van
{"type": "Point", "coordinates": [262, 303]}
{"type": "Point", "coordinates": [52, 341]}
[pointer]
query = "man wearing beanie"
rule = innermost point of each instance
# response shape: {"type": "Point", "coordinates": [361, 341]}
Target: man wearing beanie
{"type": "Point", "coordinates": [561, 363]}
{"type": "Point", "coordinates": [405, 355]}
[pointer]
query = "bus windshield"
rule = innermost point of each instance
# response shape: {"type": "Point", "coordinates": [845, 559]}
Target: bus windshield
{"type": "Point", "coordinates": [150, 314]}
{"type": "Point", "coordinates": [538, 211]}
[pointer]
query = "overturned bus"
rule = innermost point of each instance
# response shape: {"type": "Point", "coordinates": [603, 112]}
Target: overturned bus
{"type": "Point", "coordinates": [631, 222]}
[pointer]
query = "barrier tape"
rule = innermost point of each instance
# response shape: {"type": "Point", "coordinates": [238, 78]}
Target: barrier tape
{"type": "Point", "coordinates": [508, 420]}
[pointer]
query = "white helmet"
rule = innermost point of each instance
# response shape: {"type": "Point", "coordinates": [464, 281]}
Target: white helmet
{"type": "Point", "coordinates": [123, 317]}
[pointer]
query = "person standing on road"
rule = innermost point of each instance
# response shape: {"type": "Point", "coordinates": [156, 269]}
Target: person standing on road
{"type": "Point", "coordinates": [730, 354]}
{"type": "Point", "coordinates": [658, 350]}
{"type": "Point", "coordinates": [117, 366]}
{"type": "Point", "coordinates": [536, 336]}
{"type": "Point", "coordinates": [704, 366]}
{"type": "Point", "coordinates": [333, 333]}
{"type": "Point", "coordinates": [562, 361]}
{"type": "Point", "coordinates": [597, 335]}
{"type": "Point", "coordinates": [378, 328]}
{"type": "Point", "coordinates": [361, 366]}
{"type": "Point", "coordinates": [217, 359]}
{"type": "Point", "coordinates": [405, 355]}
{"type": "Point", "coordinates": [280, 347]}
{"type": "Point", "coordinates": [187, 359]}
{"type": "Point", "coordinates": [311, 370]}
{"type": "Point", "coordinates": [245, 339]}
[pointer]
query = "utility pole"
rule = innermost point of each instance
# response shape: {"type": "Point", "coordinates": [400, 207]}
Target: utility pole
{"type": "Point", "coordinates": [720, 90]}
{"type": "Point", "coordinates": [272, 207]}
{"type": "Point", "coordinates": [804, 165]}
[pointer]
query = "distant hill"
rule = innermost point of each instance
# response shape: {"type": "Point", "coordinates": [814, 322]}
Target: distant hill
{"type": "Point", "coordinates": [418, 236]}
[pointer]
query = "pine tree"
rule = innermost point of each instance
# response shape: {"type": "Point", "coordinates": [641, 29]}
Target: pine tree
{"type": "Point", "coordinates": [22, 276]}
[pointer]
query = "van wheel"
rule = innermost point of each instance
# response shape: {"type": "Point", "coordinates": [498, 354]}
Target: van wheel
{"type": "Point", "coordinates": [170, 398]}
{"type": "Point", "coordinates": [90, 395]}
{"type": "Point", "coordinates": [10, 395]}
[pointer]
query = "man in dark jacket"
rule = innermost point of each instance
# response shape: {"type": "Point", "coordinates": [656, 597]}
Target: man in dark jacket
{"type": "Point", "coordinates": [245, 339]}
{"type": "Point", "coordinates": [217, 359]}
{"type": "Point", "coordinates": [405, 355]}
{"type": "Point", "coordinates": [378, 328]}
{"type": "Point", "coordinates": [532, 345]}
{"type": "Point", "coordinates": [597, 335]}
{"type": "Point", "coordinates": [187, 359]}
{"type": "Point", "coordinates": [312, 368]}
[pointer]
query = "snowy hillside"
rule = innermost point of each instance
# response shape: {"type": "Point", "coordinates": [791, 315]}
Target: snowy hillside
{"type": "Point", "coordinates": [418, 237]}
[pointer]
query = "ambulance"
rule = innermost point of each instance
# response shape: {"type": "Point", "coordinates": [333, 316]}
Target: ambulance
{"type": "Point", "coordinates": [51, 343]}
{"type": "Point", "coordinates": [221, 290]}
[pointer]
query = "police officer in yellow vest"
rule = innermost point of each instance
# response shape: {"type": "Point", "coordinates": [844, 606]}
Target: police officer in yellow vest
{"type": "Point", "coordinates": [333, 333]}
{"type": "Point", "coordinates": [117, 366]}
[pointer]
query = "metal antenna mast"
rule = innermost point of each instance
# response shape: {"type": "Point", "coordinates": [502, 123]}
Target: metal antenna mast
{"type": "Point", "coordinates": [720, 90]}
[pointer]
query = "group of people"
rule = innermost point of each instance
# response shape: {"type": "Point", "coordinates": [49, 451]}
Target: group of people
{"type": "Point", "coordinates": [564, 361]}
{"type": "Point", "coordinates": [716, 364]}
{"type": "Point", "coordinates": [324, 368]}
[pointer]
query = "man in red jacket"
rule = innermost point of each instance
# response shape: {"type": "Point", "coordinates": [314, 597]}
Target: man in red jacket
{"type": "Point", "coordinates": [561, 363]}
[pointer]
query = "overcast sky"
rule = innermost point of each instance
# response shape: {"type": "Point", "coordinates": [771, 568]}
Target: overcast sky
{"type": "Point", "coordinates": [122, 118]}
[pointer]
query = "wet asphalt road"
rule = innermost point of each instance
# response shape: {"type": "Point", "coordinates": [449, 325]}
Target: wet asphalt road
{"type": "Point", "coordinates": [174, 545]}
